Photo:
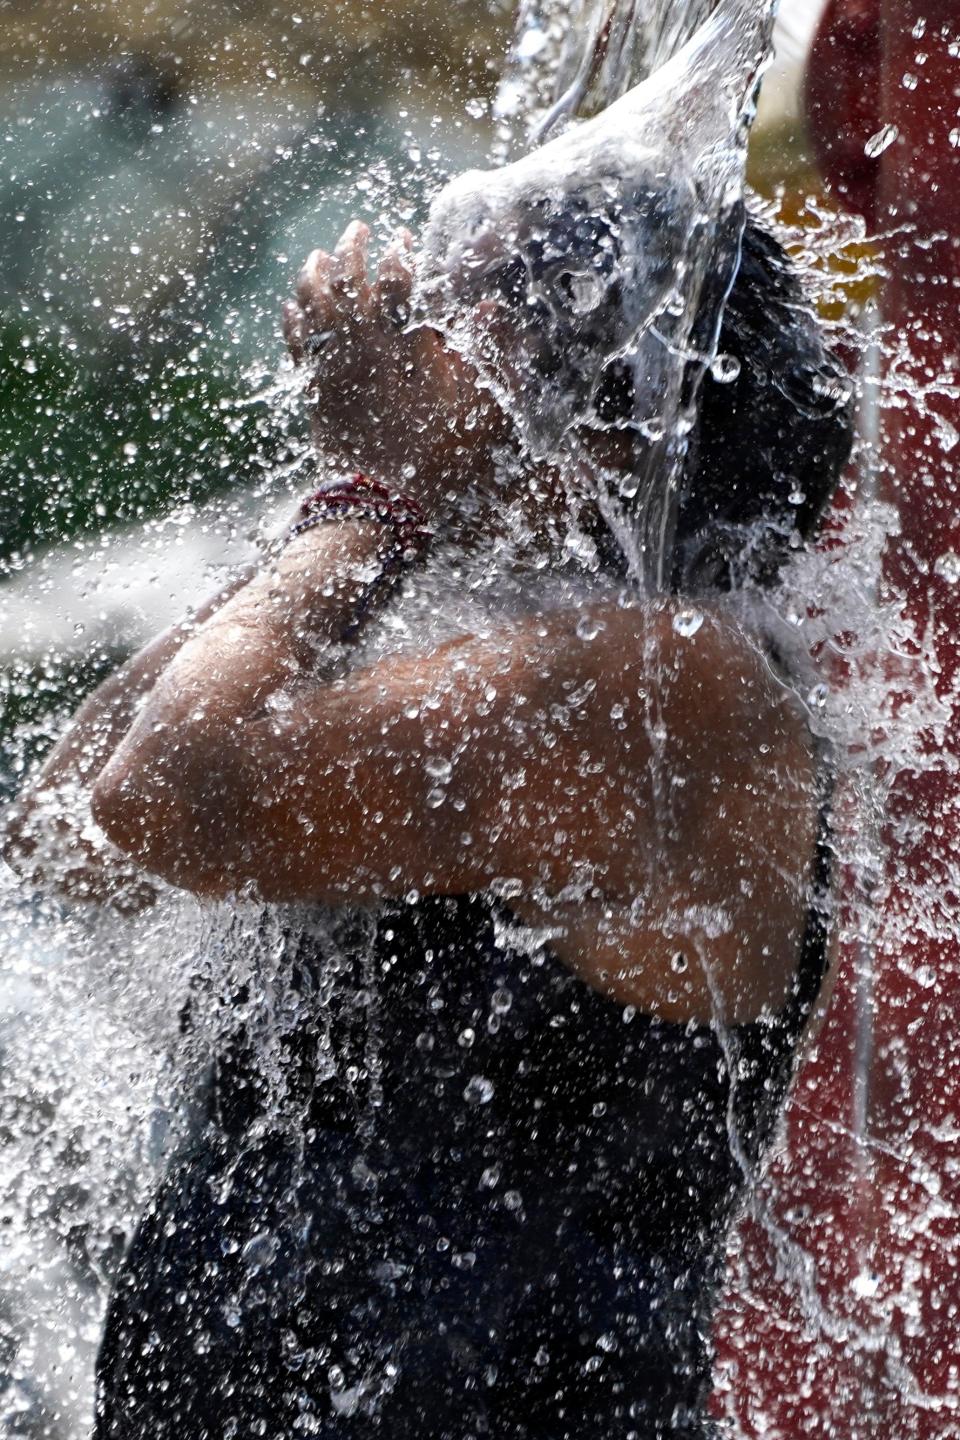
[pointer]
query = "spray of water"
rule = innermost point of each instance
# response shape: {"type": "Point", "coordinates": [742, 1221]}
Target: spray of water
{"type": "Point", "coordinates": [617, 242]}
{"type": "Point", "coordinates": [575, 57]}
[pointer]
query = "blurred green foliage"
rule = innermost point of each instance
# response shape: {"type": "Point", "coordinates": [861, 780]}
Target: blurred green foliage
{"type": "Point", "coordinates": [84, 448]}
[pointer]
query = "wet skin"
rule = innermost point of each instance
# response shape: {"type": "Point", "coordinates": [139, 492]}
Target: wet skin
{"type": "Point", "coordinates": [634, 785]}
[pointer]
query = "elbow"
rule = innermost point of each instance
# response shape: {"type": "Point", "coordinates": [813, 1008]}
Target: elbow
{"type": "Point", "coordinates": [170, 819]}
{"type": "Point", "coordinates": [116, 806]}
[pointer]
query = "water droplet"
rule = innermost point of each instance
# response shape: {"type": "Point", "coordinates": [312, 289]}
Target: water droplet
{"type": "Point", "coordinates": [586, 292]}
{"type": "Point", "coordinates": [947, 567]}
{"type": "Point", "coordinates": [260, 1252]}
{"type": "Point", "coordinates": [435, 798]}
{"type": "Point", "coordinates": [679, 963]}
{"type": "Point", "coordinates": [478, 1090]}
{"type": "Point", "coordinates": [865, 1285]}
{"type": "Point", "coordinates": [909, 81]}
{"type": "Point", "coordinates": [725, 369]}
{"type": "Point", "coordinates": [581, 548]}
{"type": "Point", "coordinates": [817, 698]}
{"type": "Point", "coordinates": [438, 768]}
{"type": "Point", "coordinates": [881, 140]}
{"type": "Point", "coordinates": [687, 622]}
{"type": "Point", "coordinates": [532, 44]}
{"type": "Point", "coordinates": [588, 627]}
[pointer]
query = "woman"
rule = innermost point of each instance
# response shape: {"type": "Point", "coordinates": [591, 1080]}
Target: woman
{"type": "Point", "coordinates": [578, 846]}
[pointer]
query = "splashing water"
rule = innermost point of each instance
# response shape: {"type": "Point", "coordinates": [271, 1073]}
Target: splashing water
{"type": "Point", "coordinates": [574, 57]}
{"type": "Point", "coordinates": [617, 242]}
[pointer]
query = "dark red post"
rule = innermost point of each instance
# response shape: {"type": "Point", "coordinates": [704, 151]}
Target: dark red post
{"type": "Point", "coordinates": [867, 1344]}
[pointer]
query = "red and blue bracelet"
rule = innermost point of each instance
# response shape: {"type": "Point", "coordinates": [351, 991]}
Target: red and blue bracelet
{"type": "Point", "coordinates": [361, 497]}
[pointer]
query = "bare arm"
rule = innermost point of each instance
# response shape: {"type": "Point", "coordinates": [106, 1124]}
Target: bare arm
{"type": "Point", "coordinates": [335, 791]}
{"type": "Point", "coordinates": [48, 835]}
{"type": "Point", "coordinates": [662, 767]}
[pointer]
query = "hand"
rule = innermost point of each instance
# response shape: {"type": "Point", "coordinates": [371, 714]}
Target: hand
{"type": "Point", "coordinates": [394, 404]}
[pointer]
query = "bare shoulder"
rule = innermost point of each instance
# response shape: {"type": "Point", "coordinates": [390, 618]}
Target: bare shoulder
{"type": "Point", "coordinates": [704, 898]}
{"type": "Point", "coordinates": [705, 681]}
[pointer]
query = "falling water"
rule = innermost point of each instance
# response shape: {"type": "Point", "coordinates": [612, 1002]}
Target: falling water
{"type": "Point", "coordinates": [575, 57]}
{"type": "Point", "coordinates": [638, 213]}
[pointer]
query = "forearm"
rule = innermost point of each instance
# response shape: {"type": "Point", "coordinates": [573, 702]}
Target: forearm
{"type": "Point", "coordinates": [177, 776]}
{"type": "Point", "coordinates": [105, 716]}
{"type": "Point", "coordinates": [47, 834]}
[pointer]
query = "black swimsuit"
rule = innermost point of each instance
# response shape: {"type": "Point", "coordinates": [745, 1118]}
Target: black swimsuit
{"type": "Point", "coordinates": [507, 1221]}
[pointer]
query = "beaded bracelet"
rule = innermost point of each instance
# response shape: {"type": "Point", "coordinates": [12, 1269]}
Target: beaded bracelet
{"type": "Point", "coordinates": [364, 498]}
{"type": "Point", "coordinates": [337, 498]}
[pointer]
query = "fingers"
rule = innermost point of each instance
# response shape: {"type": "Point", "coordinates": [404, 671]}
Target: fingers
{"type": "Point", "coordinates": [349, 268]}
{"type": "Point", "coordinates": [313, 290]}
{"type": "Point", "coordinates": [348, 275]}
{"type": "Point", "coordinates": [395, 281]}
{"type": "Point", "coordinates": [333, 295]}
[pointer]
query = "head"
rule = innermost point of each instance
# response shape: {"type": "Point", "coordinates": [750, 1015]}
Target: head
{"type": "Point", "coordinates": [581, 305]}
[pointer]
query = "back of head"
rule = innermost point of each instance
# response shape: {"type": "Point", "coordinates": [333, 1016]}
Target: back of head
{"type": "Point", "coordinates": [772, 434]}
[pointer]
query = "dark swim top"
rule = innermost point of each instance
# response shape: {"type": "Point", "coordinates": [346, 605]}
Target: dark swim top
{"type": "Point", "coordinates": [506, 1220]}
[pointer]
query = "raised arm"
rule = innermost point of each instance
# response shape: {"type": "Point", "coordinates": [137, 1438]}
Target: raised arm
{"type": "Point", "coordinates": [380, 399]}
{"type": "Point", "coordinates": [527, 752]}
{"type": "Point", "coordinates": [650, 764]}
{"type": "Point", "coordinates": [48, 838]}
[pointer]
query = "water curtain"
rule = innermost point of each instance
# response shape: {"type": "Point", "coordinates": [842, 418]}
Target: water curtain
{"type": "Point", "coordinates": [574, 57]}
{"type": "Point", "coordinates": [597, 264]}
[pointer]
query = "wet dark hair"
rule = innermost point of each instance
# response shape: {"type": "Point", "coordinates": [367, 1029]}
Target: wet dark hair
{"type": "Point", "coordinates": [770, 441]}
{"type": "Point", "coordinates": [769, 445]}
{"type": "Point", "coordinates": [773, 424]}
